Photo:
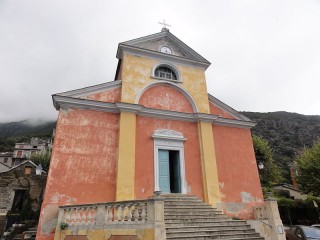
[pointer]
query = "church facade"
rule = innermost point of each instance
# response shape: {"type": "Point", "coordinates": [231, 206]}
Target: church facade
{"type": "Point", "coordinates": [153, 129]}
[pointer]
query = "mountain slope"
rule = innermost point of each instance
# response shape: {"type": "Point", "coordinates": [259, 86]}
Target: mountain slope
{"type": "Point", "coordinates": [287, 134]}
{"type": "Point", "coordinates": [22, 131]}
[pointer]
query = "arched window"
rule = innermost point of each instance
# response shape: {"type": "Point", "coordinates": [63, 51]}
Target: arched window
{"type": "Point", "coordinates": [165, 72]}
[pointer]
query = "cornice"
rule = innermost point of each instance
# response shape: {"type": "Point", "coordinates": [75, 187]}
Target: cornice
{"type": "Point", "coordinates": [227, 108]}
{"type": "Point", "coordinates": [92, 89]}
{"type": "Point", "coordinates": [122, 48]}
{"type": "Point", "coordinates": [69, 102]}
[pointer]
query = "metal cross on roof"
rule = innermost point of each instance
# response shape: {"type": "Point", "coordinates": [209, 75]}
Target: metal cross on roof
{"type": "Point", "coordinates": [164, 23]}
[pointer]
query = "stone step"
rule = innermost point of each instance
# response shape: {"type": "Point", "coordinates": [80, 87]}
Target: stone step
{"type": "Point", "coordinates": [209, 227]}
{"type": "Point", "coordinates": [210, 235]}
{"type": "Point", "coordinates": [209, 230]}
{"type": "Point", "coordinates": [213, 233]}
{"type": "Point", "coordinates": [190, 208]}
{"type": "Point", "coordinates": [223, 221]}
{"type": "Point", "coordinates": [180, 204]}
{"type": "Point", "coordinates": [193, 213]}
{"type": "Point", "coordinates": [188, 216]}
{"type": "Point", "coordinates": [177, 195]}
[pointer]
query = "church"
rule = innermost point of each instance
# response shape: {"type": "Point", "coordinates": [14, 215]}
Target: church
{"type": "Point", "coordinates": [154, 130]}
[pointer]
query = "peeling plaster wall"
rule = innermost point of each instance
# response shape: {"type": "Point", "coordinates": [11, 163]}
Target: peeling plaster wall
{"type": "Point", "coordinates": [137, 72]}
{"type": "Point", "coordinates": [144, 172]}
{"type": "Point", "coordinates": [165, 98]}
{"type": "Point", "coordinates": [112, 95]}
{"type": "Point", "coordinates": [238, 175]}
{"type": "Point", "coordinates": [218, 111]}
{"type": "Point", "coordinates": [83, 163]}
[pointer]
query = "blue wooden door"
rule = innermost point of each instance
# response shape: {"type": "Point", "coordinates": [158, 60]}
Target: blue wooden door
{"type": "Point", "coordinates": [164, 172]}
{"type": "Point", "coordinates": [176, 172]}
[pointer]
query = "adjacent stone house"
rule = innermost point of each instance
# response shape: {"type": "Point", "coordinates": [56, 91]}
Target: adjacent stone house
{"type": "Point", "coordinates": [6, 158]}
{"type": "Point", "coordinates": [20, 187]}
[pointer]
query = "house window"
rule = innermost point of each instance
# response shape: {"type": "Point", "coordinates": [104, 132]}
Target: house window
{"type": "Point", "coordinates": [27, 170]}
{"type": "Point", "coordinates": [165, 72]}
{"type": "Point", "coordinates": [5, 160]}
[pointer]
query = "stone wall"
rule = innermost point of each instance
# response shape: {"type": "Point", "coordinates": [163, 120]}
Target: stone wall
{"type": "Point", "coordinates": [21, 177]}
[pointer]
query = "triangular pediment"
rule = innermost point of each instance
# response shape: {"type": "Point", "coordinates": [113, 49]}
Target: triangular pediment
{"type": "Point", "coordinates": [156, 41]}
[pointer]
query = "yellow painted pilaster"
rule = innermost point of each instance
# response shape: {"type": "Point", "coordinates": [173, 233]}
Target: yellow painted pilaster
{"type": "Point", "coordinates": [126, 157]}
{"type": "Point", "coordinates": [209, 164]}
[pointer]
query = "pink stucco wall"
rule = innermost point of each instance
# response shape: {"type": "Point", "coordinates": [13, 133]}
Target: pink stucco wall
{"type": "Point", "coordinates": [237, 171]}
{"type": "Point", "coordinates": [83, 163]}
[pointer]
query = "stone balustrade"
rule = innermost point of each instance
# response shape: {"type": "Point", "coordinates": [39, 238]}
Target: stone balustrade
{"type": "Point", "coordinates": [113, 216]}
{"type": "Point", "coordinates": [126, 212]}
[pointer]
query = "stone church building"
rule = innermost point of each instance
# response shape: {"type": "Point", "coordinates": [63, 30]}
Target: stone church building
{"type": "Point", "coordinates": [153, 129]}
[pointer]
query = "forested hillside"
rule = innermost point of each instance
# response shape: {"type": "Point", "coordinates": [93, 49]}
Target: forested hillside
{"type": "Point", "coordinates": [287, 134]}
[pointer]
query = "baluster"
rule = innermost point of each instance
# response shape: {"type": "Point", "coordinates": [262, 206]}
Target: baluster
{"type": "Point", "coordinates": [94, 215]}
{"type": "Point", "coordinates": [122, 214]}
{"type": "Point", "coordinates": [143, 214]}
{"type": "Point", "coordinates": [107, 214]}
{"type": "Point", "coordinates": [73, 216]}
{"type": "Point", "coordinates": [129, 214]}
{"type": "Point", "coordinates": [115, 214]}
{"type": "Point", "coordinates": [84, 216]}
{"type": "Point", "coordinates": [111, 209]}
{"type": "Point", "coordinates": [136, 213]}
{"type": "Point", "coordinates": [78, 216]}
{"type": "Point", "coordinates": [67, 216]}
{"type": "Point", "coordinates": [89, 216]}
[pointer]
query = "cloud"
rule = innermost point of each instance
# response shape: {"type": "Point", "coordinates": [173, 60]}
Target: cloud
{"type": "Point", "coordinates": [264, 54]}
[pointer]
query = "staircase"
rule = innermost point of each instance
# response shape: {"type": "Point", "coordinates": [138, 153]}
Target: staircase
{"type": "Point", "coordinates": [187, 217]}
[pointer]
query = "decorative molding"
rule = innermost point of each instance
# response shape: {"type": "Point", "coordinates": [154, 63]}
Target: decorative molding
{"type": "Point", "coordinates": [81, 92]}
{"type": "Point", "coordinates": [62, 102]}
{"type": "Point", "coordinates": [168, 134]}
{"type": "Point", "coordinates": [227, 108]}
{"type": "Point", "coordinates": [171, 84]}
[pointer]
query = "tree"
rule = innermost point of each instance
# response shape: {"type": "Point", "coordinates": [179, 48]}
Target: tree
{"type": "Point", "coordinates": [308, 163]}
{"type": "Point", "coordinates": [270, 174]}
{"type": "Point", "coordinates": [43, 158]}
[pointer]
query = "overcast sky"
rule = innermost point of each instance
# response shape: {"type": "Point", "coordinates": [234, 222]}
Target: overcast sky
{"type": "Point", "coordinates": [265, 54]}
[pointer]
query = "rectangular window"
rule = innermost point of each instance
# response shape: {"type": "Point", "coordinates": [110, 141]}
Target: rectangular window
{"type": "Point", "coordinates": [27, 170]}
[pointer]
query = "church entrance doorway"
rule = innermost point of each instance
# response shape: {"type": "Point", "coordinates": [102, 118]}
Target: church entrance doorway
{"type": "Point", "coordinates": [169, 165]}
{"type": "Point", "coordinates": [169, 171]}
